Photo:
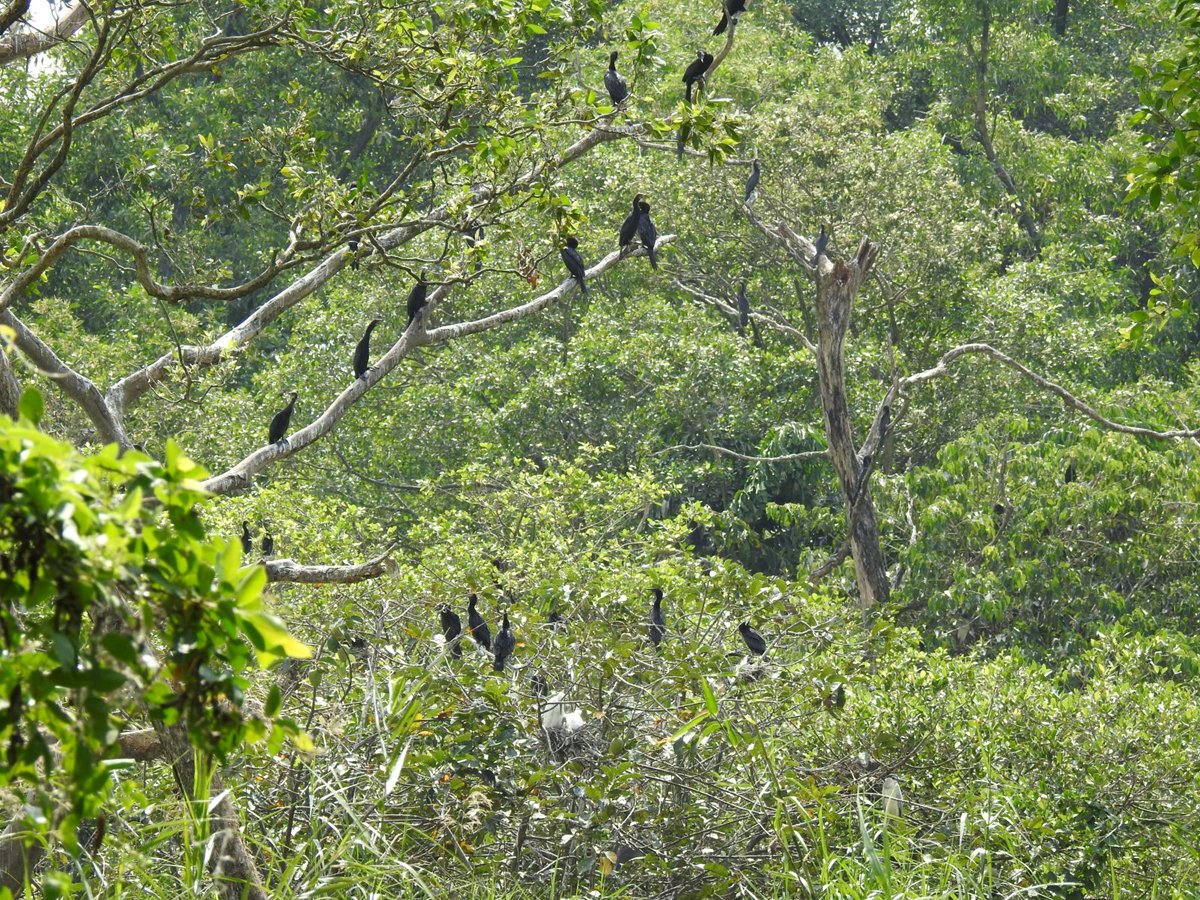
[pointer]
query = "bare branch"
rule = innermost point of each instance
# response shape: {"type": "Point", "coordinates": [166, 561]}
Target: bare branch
{"type": "Point", "coordinates": [1068, 399]}
{"type": "Point", "coordinates": [730, 312]}
{"type": "Point", "coordinates": [725, 451]}
{"type": "Point", "coordinates": [30, 42]}
{"type": "Point", "coordinates": [288, 570]}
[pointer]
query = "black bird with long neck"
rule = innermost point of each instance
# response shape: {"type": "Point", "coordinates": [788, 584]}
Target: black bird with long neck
{"type": "Point", "coordinates": [418, 299]}
{"type": "Point", "coordinates": [648, 234]}
{"type": "Point", "coordinates": [695, 72]}
{"type": "Point", "coordinates": [362, 353]}
{"type": "Point", "coordinates": [505, 644]}
{"type": "Point", "coordinates": [754, 640]}
{"type": "Point", "coordinates": [479, 628]}
{"type": "Point", "coordinates": [283, 418]}
{"type": "Point", "coordinates": [743, 306]}
{"type": "Point", "coordinates": [630, 226]}
{"type": "Point", "coordinates": [614, 83]}
{"type": "Point", "coordinates": [247, 540]}
{"type": "Point", "coordinates": [451, 628]}
{"type": "Point", "coordinates": [574, 262]}
{"type": "Point", "coordinates": [730, 11]}
{"type": "Point", "coordinates": [752, 181]}
{"type": "Point", "coordinates": [658, 623]}
{"type": "Point", "coordinates": [268, 542]}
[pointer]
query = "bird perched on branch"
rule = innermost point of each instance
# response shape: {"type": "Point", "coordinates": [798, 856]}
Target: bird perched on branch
{"type": "Point", "coordinates": [418, 298]}
{"type": "Point", "coordinates": [892, 797]}
{"type": "Point", "coordinates": [658, 624]}
{"type": "Point", "coordinates": [283, 418]}
{"type": "Point", "coordinates": [451, 628]}
{"type": "Point", "coordinates": [695, 72]}
{"type": "Point", "coordinates": [614, 83]}
{"type": "Point", "coordinates": [247, 540]}
{"type": "Point", "coordinates": [479, 628]}
{"type": "Point", "coordinates": [539, 685]}
{"type": "Point", "coordinates": [648, 234]}
{"type": "Point", "coordinates": [822, 242]}
{"type": "Point", "coordinates": [268, 542]}
{"type": "Point", "coordinates": [754, 640]}
{"type": "Point", "coordinates": [743, 306]}
{"type": "Point", "coordinates": [730, 11]}
{"type": "Point", "coordinates": [630, 226]}
{"type": "Point", "coordinates": [1069, 475]}
{"type": "Point", "coordinates": [353, 244]}
{"type": "Point", "coordinates": [752, 181]}
{"type": "Point", "coordinates": [506, 643]}
{"type": "Point", "coordinates": [885, 422]}
{"type": "Point", "coordinates": [574, 262]}
{"type": "Point", "coordinates": [362, 353]}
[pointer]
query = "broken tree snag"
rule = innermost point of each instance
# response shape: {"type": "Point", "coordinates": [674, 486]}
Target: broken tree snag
{"type": "Point", "coordinates": [838, 283]}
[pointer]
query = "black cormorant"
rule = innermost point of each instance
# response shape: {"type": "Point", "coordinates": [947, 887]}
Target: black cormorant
{"type": "Point", "coordinates": [752, 181]}
{"type": "Point", "coordinates": [451, 628]}
{"type": "Point", "coordinates": [539, 685]}
{"type": "Point", "coordinates": [695, 72]}
{"type": "Point", "coordinates": [821, 243]}
{"type": "Point", "coordinates": [730, 11]}
{"type": "Point", "coordinates": [362, 353]}
{"type": "Point", "coordinates": [554, 619]}
{"type": "Point", "coordinates": [574, 262]}
{"type": "Point", "coordinates": [617, 91]}
{"type": "Point", "coordinates": [648, 234]}
{"type": "Point", "coordinates": [743, 309]}
{"type": "Point", "coordinates": [1069, 475]}
{"type": "Point", "coordinates": [247, 540]}
{"type": "Point", "coordinates": [630, 226]}
{"type": "Point", "coordinates": [753, 639]}
{"type": "Point", "coordinates": [283, 418]}
{"type": "Point", "coordinates": [479, 628]}
{"type": "Point", "coordinates": [658, 624]}
{"type": "Point", "coordinates": [885, 422]}
{"type": "Point", "coordinates": [268, 542]}
{"type": "Point", "coordinates": [505, 644]}
{"type": "Point", "coordinates": [417, 299]}
{"type": "Point", "coordinates": [354, 253]}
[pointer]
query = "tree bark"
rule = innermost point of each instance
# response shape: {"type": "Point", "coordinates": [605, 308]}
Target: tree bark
{"type": "Point", "coordinates": [10, 388]}
{"type": "Point", "coordinates": [838, 284]}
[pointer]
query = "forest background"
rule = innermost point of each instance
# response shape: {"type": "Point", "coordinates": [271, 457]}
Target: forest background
{"type": "Point", "coordinates": [939, 452]}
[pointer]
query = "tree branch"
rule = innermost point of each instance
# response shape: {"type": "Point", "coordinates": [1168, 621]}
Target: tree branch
{"type": "Point", "coordinates": [290, 571]}
{"type": "Point", "coordinates": [725, 451]}
{"type": "Point", "coordinates": [26, 43]}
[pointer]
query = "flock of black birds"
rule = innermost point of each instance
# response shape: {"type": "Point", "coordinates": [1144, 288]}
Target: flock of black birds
{"type": "Point", "coordinates": [637, 224]}
{"type": "Point", "coordinates": [505, 642]}
{"type": "Point", "coordinates": [268, 541]}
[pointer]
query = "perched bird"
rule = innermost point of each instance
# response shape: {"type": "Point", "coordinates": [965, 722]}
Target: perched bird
{"type": "Point", "coordinates": [695, 71]}
{"type": "Point", "coordinates": [362, 353]}
{"type": "Point", "coordinates": [753, 639]}
{"type": "Point", "coordinates": [417, 299]}
{"type": "Point", "coordinates": [574, 262]}
{"type": "Point", "coordinates": [685, 131]}
{"type": "Point", "coordinates": [752, 181]}
{"type": "Point", "coordinates": [822, 242]}
{"type": "Point", "coordinates": [247, 540]}
{"type": "Point", "coordinates": [1069, 475]}
{"type": "Point", "coordinates": [630, 226]}
{"type": "Point", "coordinates": [892, 797]}
{"type": "Point", "coordinates": [354, 253]}
{"type": "Point", "coordinates": [539, 685]}
{"type": "Point", "coordinates": [505, 644]}
{"type": "Point", "coordinates": [731, 10]}
{"type": "Point", "coordinates": [999, 509]}
{"type": "Point", "coordinates": [614, 83]}
{"type": "Point", "coordinates": [479, 628]}
{"type": "Point", "coordinates": [554, 619]}
{"type": "Point", "coordinates": [283, 418]}
{"type": "Point", "coordinates": [451, 628]}
{"type": "Point", "coordinates": [648, 234]}
{"type": "Point", "coordinates": [885, 422]}
{"type": "Point", "coordinates": [658, 625]}
{"type": "Point", "coordinates": [268, 542]}
{"type": "Point", "coordinates": [743, 309]}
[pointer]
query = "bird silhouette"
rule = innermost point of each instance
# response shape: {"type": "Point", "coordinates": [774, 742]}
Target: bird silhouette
{"type": "Point", "coordinates": [630, 226]}
{"type": "Point", "coordinates": [362, 353]}
{"type": "Point", "coordinates": [754, 640]}
{"type": "Point", "coordinates": [451, 628]}
{"type": "Point", "coordinates": [268, 543]}
{"type": "Point", "coordinates": [247, 540]}
{"type": "Point", "coordinates": [752, 181]}
{"type": "Point", "coordinates": [822, 242]}
{"type": "Point", "coordinates": [479, 628]}
{"type": "Point", "coordinates": [614, 83]}
{"type": "Point", "coordinates": [658, 624]}
{"type": "Point", "coordinates": [283, 418]}
{"type": "Point", "coordinates": [1069, 475]}
{"type": "Point", "coordinates": [574, 262]}
{"type": "Point", "coordinates": [743, 306]}
{"type": "Point", "coordinates": [418, 298]}
{"type": "Point", "coordinates": [730, 11]}
{"type": "Point", "coordinates": [505, 644]}
{"type": "Point", "coordinates": [648, 234]}
{"type": "Point", "coordinates": [695, 72]}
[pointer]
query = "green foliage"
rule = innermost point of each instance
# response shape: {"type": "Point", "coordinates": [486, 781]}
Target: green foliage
{"type": "Point", "coordinates": [117, 607]}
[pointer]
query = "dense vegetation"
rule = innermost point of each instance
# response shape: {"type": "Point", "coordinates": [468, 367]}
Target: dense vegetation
{"type": "Point", "coordinates": [975, 560]}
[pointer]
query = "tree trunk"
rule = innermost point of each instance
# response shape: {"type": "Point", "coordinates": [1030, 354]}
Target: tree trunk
{"type": "Point", "coordinates": [1061, 9]}
{"type": "Point", "coordinates": [837, 286]}
{"type": "Point", "coordinates": [10, 388]}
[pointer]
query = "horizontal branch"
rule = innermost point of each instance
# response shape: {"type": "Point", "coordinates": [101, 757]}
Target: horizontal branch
{"type": "Point", "coordinates": [725, 451]}
{"type": "Point", "coordinates": [290, 571]}
{"type": "Point", "coordinates": [1069, 399]}
{"type": "Point", "coordinates": [239, 476]}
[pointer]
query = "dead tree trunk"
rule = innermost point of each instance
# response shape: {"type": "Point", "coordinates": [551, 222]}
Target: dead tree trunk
{"type": "Point", "coordinates": [838, 284]}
